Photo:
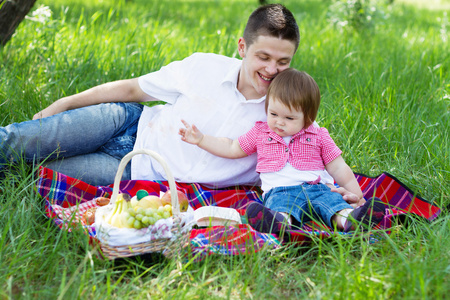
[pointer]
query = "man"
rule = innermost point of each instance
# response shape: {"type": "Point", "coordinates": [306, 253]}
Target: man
{"type": "Point", "coordinates": [86, 134]}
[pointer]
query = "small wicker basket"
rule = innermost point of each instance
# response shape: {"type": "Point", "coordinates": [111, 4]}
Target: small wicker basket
{"type": "Point", "coordinates": [156, 245]}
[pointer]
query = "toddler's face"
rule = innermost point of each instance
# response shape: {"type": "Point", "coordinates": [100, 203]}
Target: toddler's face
{"type": "Point", "coordinates": [282, 120]}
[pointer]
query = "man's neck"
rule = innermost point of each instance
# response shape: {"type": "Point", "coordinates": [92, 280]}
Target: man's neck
{"type": "Point", "coordinates": [247, 90]}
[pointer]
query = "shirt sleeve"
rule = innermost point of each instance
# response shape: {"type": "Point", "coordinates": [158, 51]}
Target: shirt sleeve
{"type": "Point", "coordinates": [248, 140]}
{"type": "Point", "coordinates": [330, 151]}
{"type": "Point", "coordinates": [167, 83]}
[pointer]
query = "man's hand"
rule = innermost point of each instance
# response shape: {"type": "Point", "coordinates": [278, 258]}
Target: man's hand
{"type": "Point", "coordinates": [53, 109]}
{"type": "Point", "coordinates": [351, 198]}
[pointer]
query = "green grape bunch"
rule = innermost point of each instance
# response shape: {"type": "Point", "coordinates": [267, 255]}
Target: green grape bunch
{"type": "Point", "coordinates": [141, 218]}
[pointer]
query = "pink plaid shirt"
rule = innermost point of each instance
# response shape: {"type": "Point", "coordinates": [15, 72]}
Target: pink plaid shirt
{"type": "Point", "coordinates": [308, 150]}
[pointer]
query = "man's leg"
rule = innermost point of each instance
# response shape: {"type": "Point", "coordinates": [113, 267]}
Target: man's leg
{"type": "Point", "coordinates": [94, 168]}
{"type": "Point", "coordinates": [105, 129]}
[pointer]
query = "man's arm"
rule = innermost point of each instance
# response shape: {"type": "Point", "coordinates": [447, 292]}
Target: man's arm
{"type": "Point", "coordinates": [117, 91]}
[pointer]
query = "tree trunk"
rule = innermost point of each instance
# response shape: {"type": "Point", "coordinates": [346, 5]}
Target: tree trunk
{"type": "Point", "coordinates": [12, 12]}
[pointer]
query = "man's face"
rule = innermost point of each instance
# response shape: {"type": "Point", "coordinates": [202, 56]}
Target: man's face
{"type": "Point", "coordinates": [261, 62]}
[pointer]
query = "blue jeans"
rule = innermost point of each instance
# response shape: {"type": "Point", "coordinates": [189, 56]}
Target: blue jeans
{"type": "Point", "coordinates": [306, 202]}
{"type": "Point", "coordinates": [86, 143]}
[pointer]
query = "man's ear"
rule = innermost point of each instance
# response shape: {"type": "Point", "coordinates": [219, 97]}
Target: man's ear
{"type": "Point", "coordinates": [241, 47]}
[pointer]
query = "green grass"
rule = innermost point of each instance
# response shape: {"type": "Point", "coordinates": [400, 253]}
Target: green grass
{"type": "Point", "coordinates": [386, 96]}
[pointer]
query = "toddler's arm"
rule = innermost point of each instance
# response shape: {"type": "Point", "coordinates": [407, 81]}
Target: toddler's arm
{"type": "Point", "coordinates": [344, 176]}
{"type": "Point", "coordinates": [220, 146]}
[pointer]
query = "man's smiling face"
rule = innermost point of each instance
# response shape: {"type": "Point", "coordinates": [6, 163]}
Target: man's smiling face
{"type": "Point", "coordinates": [261, 62]}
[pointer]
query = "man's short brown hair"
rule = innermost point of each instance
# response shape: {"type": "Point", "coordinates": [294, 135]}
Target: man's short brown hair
{"type": "Point", "coordinates": [297, 90]}
{"type": "Point", "coordinates": [273, 20]}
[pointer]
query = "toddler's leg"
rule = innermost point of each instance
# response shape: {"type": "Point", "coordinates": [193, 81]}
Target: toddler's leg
{"type": "Point", "coordinates": [366, 216]}
{"type": "Point", "coordinates": [327, 206]}
{"type": "Point", "coordinates": [264, 219]}
{"type": "Point", "coordinates": [287, 217]}
{"type": "Point", "coordinates": [340, 218]}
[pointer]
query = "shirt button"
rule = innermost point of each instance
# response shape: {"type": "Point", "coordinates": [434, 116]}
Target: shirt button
{"type": "Point", "coordinates": [269, 139]}
{"type": "Point", "coordinates": [291, 141]}
{"type": "Point", "coordinates": [308, 140]}
{"type": "Point", "coordinates": [286, 150]}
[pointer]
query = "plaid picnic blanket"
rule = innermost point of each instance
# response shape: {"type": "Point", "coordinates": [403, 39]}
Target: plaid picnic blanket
{"type": "Point", "coordinates": [66, 199]}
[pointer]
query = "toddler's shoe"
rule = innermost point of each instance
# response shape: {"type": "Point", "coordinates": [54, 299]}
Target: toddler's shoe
{"type": "Point", "coordinates": [366, 216]}
{"type": "Point", "coordinates": [264, 219]}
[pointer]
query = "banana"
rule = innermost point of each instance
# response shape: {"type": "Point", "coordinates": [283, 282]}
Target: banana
{"type": "Point", "coordinates": [125, 215]}
{"type": "Point", "coordinates": [109, 217]}
{"type": "Point", "coordinates": [116, 219]}
{"type": "Point", "coordinates": [119, 216]}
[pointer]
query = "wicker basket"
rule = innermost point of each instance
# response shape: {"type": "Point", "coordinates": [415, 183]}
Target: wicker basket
{"type": "Point", "coordinates": [156, 245]}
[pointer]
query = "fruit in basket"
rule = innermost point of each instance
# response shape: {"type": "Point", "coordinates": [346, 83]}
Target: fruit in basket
{"type": "Point", "coordinates": [134, 201]}
{"type": "Point", "coordinates": [120, 215]}
{"type": "Point", "coordinates": [167, 211]}
{"type": "Point", "coordinates": [145, 221]}
{"type": "Point", "coordinates": [166, 214]}
{"type": "Point", "coordinates": [139, 210]}
{"type": "Point", "coordinates": [130, 222]}
{"type": "Point", "coordinates": [149, 202]}
{"type": "Point", "coordinates": [141, 194]}
{"type": "Point", "coordinates": [182, 200]}
{"type": "Point", "coordinates": [137, 224]}
{"type": "Point", "coordinates": [131, 211]}
{"type": "Point", "coordinates": [124, 215]}
{"type": "Point", "coordinates": [149, 216]}
{"type": "Point", "coordinates": [115, 219]}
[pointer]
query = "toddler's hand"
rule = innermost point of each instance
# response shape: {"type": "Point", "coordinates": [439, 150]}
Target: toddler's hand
{"type": "Point", "coordinates": [190, 134]}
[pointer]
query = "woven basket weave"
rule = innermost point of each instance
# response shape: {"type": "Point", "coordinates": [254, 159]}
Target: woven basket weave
{"type": "Point", "coordinates": [156, 245]}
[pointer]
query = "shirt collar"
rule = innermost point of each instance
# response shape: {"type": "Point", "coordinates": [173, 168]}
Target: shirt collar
{"type": "Point", "coordinates": [232, 75]}
{"type": "Point", "coordinates": [232, 78]}
{"type": "Point", "coordinates": [313, 129]}
{"type": "Point", "coordinates": [264, 127]}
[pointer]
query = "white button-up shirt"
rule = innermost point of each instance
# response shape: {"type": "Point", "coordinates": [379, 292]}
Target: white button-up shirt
{"type": "Point", "coordinates": [202, 90]}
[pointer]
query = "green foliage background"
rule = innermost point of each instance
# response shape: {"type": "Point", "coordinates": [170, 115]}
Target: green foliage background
{"type": "Point", "coordinates": [385, 85]}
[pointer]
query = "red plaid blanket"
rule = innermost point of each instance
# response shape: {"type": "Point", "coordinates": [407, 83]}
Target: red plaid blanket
{"type": "Point", "coordinates": [66, 199]}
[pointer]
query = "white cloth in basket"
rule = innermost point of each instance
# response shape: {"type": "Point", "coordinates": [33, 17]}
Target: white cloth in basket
{"type": "Point", "coordinates": [162, 229]}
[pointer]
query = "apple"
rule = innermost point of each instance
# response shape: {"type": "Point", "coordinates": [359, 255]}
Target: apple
{"type": "Point", "coordinates": [182, 200]}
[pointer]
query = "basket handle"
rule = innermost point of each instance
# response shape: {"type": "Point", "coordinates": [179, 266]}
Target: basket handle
{"type": "Point", "coordinates": [170, 179]}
